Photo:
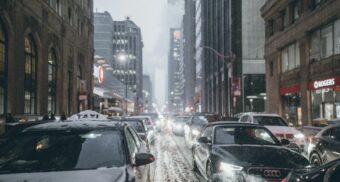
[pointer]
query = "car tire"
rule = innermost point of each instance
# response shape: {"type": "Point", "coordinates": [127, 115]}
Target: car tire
{"type": "Point", "coordinates": [315, 159]}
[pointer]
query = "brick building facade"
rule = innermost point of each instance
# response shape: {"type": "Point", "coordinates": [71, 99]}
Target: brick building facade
{"type": "Point", "coordinates": [46, 56]}
{"type": "Point", "coordinates": [302, 53]}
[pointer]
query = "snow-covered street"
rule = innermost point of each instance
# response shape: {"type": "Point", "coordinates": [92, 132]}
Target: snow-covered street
{"type": "Point", "coordinates": [173, 160]}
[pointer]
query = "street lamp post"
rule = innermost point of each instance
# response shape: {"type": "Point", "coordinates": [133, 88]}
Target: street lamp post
{"type": "Point", "coordinates": [122, 57]}
{"type": "Point", "coordinates": [228, 60]}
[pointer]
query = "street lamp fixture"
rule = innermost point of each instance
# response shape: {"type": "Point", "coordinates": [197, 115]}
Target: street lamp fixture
{"type": "Point", "coordinates": [122, 57]}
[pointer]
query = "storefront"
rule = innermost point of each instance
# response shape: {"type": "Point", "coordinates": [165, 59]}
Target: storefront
{"type": "Point", "coordinates": [325, 95]}
{"type": "Point", "coordinates": [291, 104]}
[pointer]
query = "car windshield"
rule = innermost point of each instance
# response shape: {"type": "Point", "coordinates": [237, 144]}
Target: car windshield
{"type": "Point", "coordinates": [182, 119]}
{"type": "Point", "coordinates": [40, 151]}
{"type": "Point", "coordinates": [269, 121]}
{"type": "Point", "coordinates": [203, 120]}
{"type": "Point", "coordinates": [137, 125]}
{"type": "Point", "coordinates": [244, 135]}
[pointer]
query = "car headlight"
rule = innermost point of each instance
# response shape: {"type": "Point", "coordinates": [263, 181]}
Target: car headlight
{"type": "Point", "coordinates": [229, 167]}
{"type": "Point", "coordinates": [299, 136]}
{"type": "Point", "coordinates": [195, 132]}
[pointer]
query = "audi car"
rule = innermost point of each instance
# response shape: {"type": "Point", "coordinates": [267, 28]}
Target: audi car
{"type": "Point", "coordinates": [85, 151]}
{"type": "Point", "coordinates": [228, 151]}
{"type": "Point", "coordinates": [325, 146]}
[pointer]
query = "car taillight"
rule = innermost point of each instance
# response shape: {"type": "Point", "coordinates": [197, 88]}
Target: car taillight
{"type": "Point", "coordinates": [284, 180]}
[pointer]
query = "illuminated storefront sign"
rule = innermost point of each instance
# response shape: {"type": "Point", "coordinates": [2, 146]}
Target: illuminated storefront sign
{"type": "Point", "coordinates": [326, 83]}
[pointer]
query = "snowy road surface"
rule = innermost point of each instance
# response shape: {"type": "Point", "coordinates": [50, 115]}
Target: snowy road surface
{"type": "Point", "coordinates": [173, 160]}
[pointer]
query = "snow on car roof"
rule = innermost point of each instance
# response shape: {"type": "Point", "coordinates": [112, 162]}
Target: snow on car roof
{"type": "Point", "coordinates": [73, 125]}
{"type": "Point", "coordinates": [261, 114]}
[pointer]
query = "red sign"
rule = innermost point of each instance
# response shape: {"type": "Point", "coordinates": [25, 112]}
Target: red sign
{"type": "Point", "coordinates": [101, 74]}
{"type": "Point", "coordinates": [325, 83]}
{"type": "Point", "coordinates": [290, 89]}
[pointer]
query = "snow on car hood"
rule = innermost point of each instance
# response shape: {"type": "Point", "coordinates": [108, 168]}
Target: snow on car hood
{"type": "Point", "coordinates": [283, 129]}
{"type": "Point", "coordinates": [100, 175]}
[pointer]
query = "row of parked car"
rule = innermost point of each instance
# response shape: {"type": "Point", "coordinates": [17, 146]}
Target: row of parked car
{"type": "Point", "coordinates": [87, 147]}
{"type": "Point", "coordinates": [255, 147]}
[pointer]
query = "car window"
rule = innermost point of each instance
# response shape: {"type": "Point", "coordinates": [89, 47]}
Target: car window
{"type": "Point", "coordinates": [244, 118]}
{"type": "Point", "coordinates": [269, 121]}
{"type": "Point", "coordinates": [335, 134]}
{"type": "Point", "coordinates": [131, 143]}
{"type": "Point", "coordinates": [62, 151]}
{"type": "Point", "coordinates": [137, 125]}
{"type": "Point", "coordinates": [326, 133]}
{"type": "Point", "coordinates": [135, 136]}
{"type": "Point", "coordinates": [207, 132]}
{"type": "Point", "coordinates": [203, 120]}
{"type": "Point", "coordinates": [244, 135]}
{"type": "Point", "coordinates": [182, 119]}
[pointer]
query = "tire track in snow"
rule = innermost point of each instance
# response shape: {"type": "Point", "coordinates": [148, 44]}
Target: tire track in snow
{"type": "Point", "coordinates": [173, 163]}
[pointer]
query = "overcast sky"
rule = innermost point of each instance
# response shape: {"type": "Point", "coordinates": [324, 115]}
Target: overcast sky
{"type": "Point", "coordinates": [155, 17]}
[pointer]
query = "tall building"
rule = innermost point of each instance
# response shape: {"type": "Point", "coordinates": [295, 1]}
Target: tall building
{"type": "Point", "coordinates": [303, 59]}
{"type": "Point", "coordinates": [128, 58]}
{"type": "Point", "coordinates": [229, 56]}
{"type": "Point", "coordinates": [175, 72]}
{"type": "Point", "coordinates": [147, 94]}
{"type": "Point", "coordinates": [103, 36]}
{"type": "Point", "coordinates": [46, 53]}
{"type": "Point", "coordinates": [189, 54]}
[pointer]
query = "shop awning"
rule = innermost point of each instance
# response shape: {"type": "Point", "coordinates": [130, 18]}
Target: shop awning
{"type": "Point", "coordinates": [291, 89]}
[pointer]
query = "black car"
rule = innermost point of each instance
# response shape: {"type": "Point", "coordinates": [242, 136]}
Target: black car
{"type": "Point", "coordinates": [329, 172]}
{"type": "Point", "coordinates": [194, 126]}
{"type": "Point", "coordinates": [243, 152]}
{"type": "Point", "coordinates": [85, 151]}
{"type": "Point", "coordinates": [179, 123]}
{"type": "Point", "coordinates": [325, 146]}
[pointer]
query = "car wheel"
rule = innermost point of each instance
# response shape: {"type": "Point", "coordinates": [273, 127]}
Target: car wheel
{"type": "Point", "coordinates": [315, 160]}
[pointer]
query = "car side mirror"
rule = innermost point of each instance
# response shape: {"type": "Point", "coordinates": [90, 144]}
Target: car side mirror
{"type": "Point", "coordinates": [285, 142]}
{"type": "Point", "coordinates": [142, 159]}
{"type": "Point", "coordinates": [204, 140]}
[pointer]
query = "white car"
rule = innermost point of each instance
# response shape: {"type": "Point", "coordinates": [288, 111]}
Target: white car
{"type": "Point", "coordinates": [277, 126]}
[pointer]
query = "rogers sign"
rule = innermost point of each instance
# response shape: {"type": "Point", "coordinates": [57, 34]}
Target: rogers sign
{"type": "Point", "coordinates": [324, 83]}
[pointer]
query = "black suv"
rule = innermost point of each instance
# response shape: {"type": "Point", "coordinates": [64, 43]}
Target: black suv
{"type": "Point", "coordinates": [84, 151]}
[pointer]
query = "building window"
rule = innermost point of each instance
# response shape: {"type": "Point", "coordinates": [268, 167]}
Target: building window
{"type": "Point", "coordinates": [315, 46]}
{"type": "Point", "coordinates": [3, 76]}
{"type": "Point", "coordinates": [271, 68]}
{"type": "Point", "coordinates": [70, 17]}
{"type": "Point", "coordinates": [283, 18]}
{"type": "Point", "coordinates": [52, 81]}
{"type": "Point", "coordinates": [295, 10]}
{"type": "Point", "coordinates": [30, 85]}
{"type": "Point", "coordinates": [290, 57]}
{"type": "Point", "coordinates": [271, 26]}
{"type": "Point", "coordinates": [337, 37]}
{"type": "Point", "coordinates": [326, 41]}
{"type": "Point", "coordinates": [316, 4]}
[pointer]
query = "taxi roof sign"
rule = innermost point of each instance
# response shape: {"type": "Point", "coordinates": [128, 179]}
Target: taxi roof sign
{"type": "Point", "coordinates": [88, 115]}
